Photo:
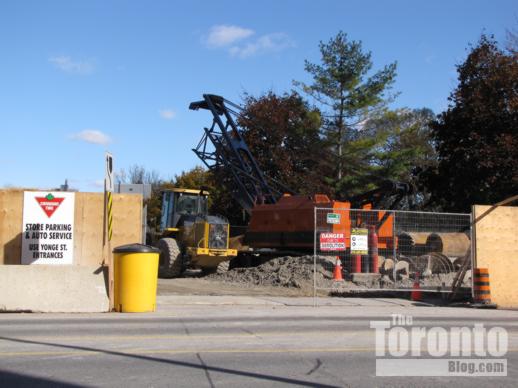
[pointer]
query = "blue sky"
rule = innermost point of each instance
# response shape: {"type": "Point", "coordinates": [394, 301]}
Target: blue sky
{"type": "Point", "coordinates": [79, 78]}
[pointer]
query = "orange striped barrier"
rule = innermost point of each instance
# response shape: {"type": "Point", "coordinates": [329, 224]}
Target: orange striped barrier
{"type": "Point", "coordinates": [481, 286]}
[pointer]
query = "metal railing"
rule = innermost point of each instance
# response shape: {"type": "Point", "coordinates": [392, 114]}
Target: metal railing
{"type": "Point", "coordinates": [381, 250]}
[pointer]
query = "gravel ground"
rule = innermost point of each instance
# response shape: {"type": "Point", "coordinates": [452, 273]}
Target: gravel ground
{"type": "Point", "coordinates": [297, 273]}
{"type": "Point", "coordinates": [292, 276]}
{"type": "Point", "coordinates": [288, 272]}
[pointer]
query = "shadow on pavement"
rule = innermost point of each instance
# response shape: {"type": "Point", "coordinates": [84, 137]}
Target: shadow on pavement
{"type": "Point", "coordinates": [10, 379]}
{"type": "Point", "coordinates": [203, 367]}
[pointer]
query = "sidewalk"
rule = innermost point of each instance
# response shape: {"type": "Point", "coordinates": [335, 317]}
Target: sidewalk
{"type": "Point", "coordinates": [216, 305]}
{"type": "Point", "coordinates": [163, 301]}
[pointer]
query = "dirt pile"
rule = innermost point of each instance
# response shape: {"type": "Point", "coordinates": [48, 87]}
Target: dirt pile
{"type": "Point", "coordinates": [297, 273]}
{"type": "Point", "coordinates": [287, 271]}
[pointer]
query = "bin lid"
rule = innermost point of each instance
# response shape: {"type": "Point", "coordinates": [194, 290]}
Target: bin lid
{"type": "Point", "coordinates": [135, 248]}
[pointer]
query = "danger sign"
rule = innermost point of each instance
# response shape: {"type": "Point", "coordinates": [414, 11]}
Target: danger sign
{"type": "Point", "coordinates": [332, 242]}
{"type": "Point", "coordinates": [48, 228]}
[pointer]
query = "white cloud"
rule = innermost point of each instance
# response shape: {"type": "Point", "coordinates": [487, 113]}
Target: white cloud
{"type": "Point", "coordinates": [68, 65]}
{"type": "Point", "coordinates": [238, 43]}
{"type": "Point", "coordinates": [92, 136]}
{"type": "Point", "coordinates": [167, 114]}
{"type": "Point", "coordinates": [223, 35]}
{"type": "Point", "coordinates": [265, 44]}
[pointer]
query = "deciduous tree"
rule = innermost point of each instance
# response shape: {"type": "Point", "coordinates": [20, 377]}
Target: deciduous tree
{"type": "Point", "coordinates": [477, 136]}
{"type": "Point", "coordinates": [405, 148]}
{"type": "Point", "coordinates": [283, 134]}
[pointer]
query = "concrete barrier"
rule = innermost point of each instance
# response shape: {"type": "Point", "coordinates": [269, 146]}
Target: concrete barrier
{"type": "Point", "coordinates": [53, 288]}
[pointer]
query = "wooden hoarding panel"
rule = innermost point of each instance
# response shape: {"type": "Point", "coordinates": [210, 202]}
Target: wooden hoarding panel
{"type": "Point", "coordinates": [11, 208]}
{"type": "Point", "coordinates": [88, 225]}
{"type": "Point", "coordinates": [497, 249]}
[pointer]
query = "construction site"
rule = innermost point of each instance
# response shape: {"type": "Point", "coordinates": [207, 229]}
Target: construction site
{"type": "Point", "coordinates": [259, 194]}
{"type": "Point", "coordinates": [294, 245]}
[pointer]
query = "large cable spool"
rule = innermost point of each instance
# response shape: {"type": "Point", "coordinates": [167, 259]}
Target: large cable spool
{"type": "Point", "coordinates": [449, 244]}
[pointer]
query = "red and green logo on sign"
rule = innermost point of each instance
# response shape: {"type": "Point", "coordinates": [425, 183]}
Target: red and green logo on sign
{"type": "Point", "coordinates": [49, 204]}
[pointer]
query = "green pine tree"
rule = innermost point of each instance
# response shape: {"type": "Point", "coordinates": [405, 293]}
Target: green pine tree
{"type": "Point", "coordinates": [349, 94]}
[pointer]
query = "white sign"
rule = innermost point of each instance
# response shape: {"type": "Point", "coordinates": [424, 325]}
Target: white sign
{"type": "Point", "coordinates": [108, 174]}
{"type": "Point", "coordinates": [359, 241]}
{"type": "Point", "coordinates": [333, 218]}
{"type": "Point", "coordinates": [48, 228]}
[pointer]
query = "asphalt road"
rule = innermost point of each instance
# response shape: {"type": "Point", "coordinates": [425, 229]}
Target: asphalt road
{"type": "Point", "coordinates": [211, 342]}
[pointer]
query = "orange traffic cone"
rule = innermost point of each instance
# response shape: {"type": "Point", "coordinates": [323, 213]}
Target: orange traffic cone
{"type": "Point", "coordinates": [416, 294]}
{"type": "Point", "coordinates": [337, 274]}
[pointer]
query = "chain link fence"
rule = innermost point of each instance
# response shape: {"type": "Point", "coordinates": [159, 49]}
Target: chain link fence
{"type": "Point", "coordinates": [376, 250]}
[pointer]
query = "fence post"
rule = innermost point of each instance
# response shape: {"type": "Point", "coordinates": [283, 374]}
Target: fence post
{"type": "Point", "coordinates": [373, 249]}
{"type": "Point", "coordinates": [315, 257]}
{"type": "Point", "coordinates": [394, 243]}
{"type": "Point", "coordinates": [473, 242]}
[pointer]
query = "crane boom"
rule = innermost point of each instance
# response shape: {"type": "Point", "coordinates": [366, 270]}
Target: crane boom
{"type": "Point", "coordinates": [277, 221]}
{"type": "Point", "coordinates": [222, 147]}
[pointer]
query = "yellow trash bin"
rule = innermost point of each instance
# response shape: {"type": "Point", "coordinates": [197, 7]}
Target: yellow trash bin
{"type": "Point", "coordinates": [135, 278]}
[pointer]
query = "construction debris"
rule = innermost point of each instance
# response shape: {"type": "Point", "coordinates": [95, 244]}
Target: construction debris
{"type": "Point", "coordinates": [287, 271]}
{"type": "Point", "coordinates": [297, 273]}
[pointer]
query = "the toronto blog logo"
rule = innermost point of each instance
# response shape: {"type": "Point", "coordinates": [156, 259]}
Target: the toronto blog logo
{"type": "Point", "coordinates": [406, 349]}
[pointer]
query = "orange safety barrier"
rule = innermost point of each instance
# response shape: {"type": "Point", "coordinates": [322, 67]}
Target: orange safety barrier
{"type": "Point", "coordinates": [481, 286]}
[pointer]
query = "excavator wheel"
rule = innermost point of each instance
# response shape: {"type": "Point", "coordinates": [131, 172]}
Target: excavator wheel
{"type": "Point", "coordinates": [221, 268]}
{"type": "Point", "coordinates": [170, 264]}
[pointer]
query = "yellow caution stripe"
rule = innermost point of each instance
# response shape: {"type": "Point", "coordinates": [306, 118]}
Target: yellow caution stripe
{"type": "Point", "coordinates": [109, 205]}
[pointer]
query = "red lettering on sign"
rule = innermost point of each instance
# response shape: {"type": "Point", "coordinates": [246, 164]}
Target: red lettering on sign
{"type": "Point", "coordinates": [332, 242]}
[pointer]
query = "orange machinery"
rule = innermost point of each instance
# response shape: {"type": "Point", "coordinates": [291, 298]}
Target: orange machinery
{"type": "Point", "coordinates": [290, 222]}
{"type": "Point", "coordinates": [279, 220]}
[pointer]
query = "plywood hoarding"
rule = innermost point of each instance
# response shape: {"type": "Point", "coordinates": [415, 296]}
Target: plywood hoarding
{"type": "Point", "coordinates": [496, 237]}
{"type": "Point", "coordinates": [89, 247]}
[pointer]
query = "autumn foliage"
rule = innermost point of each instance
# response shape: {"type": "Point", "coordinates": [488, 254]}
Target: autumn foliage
{"type": "Point", "coordinates": [477, 136]}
